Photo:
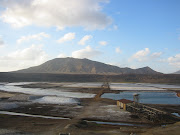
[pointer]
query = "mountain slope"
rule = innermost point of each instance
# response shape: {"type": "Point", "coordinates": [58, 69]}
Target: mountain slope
{"type": "Point", "coordinates": [83, 66]}
{"type": "Point", "coordinates": [178, 72]}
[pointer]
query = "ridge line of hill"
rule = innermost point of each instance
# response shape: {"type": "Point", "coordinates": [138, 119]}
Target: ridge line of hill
{"type": "Point", "coordinates": [83, 66]}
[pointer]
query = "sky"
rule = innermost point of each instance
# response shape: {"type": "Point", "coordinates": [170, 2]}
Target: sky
{"type": "Point", "coordinates": [125, 33]}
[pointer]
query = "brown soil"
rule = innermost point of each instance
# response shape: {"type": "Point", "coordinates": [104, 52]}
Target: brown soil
{"type": "Point", "coordinates": [173, 129]}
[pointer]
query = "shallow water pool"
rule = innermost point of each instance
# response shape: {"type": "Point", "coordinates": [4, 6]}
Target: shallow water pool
{"type": "Point", "coordinates": [147, 97]}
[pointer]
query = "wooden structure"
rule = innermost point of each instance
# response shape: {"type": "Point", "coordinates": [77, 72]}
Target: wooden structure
{"type": "Point", "coordinates": [144, 111]}
{"type": "Point", "coordinates": [136, 97]}
{"type": "Point", "coordinates": [147, 112]}
{"type": "Point", "coordinates": [178, 94]}
{"type": "Point", "coordinates": [123, 103]}
{"type": "Point", "coordinates": [105, 84]}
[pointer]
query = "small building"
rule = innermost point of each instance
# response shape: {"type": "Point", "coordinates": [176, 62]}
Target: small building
{"type": "Point", "coordinates": [123, 103]}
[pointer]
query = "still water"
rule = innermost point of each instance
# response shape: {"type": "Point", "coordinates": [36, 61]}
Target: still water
{"type": "Point", "coordinates": [147, 97]}
{"type": "Point", "coordinates": [31, 115]}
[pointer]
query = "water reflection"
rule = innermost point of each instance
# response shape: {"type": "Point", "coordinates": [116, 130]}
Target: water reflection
{"type": "Point", "coordinates": [147, 97]}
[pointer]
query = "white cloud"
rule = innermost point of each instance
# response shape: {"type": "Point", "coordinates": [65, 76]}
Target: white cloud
{"type": "Point", "coordinates": [156, 55]}
{"type": "Point", "coordinates": [66, 37]}
{"type": "Point", "coordinates": [31, 56]}
{"type": "Point", "coordinates": [59, 13]}
{"type": "Point", "coordinates": [115, 27]}
{"type": "Point", "coordinates": [31, 53]}
{"type": "Point", "coordinates": [103, 43]}
{"type": "Point", "coordinates": [141, 55]}
{"type": "Point", "coordinates": [38, 36]}
{"type": "Point", "coordinates": [175, 60]}
{"type": "Point", "coordinates": [1, 41]}
{"type": "Point", "coordinates": [88, 52]}
{"type": "Point", "coordinates": [118, 50]}
{"type": "Point", "coordinates": [84, 39]}
{"type": "Point", "coordinates": [144, 55]}
{"type": "Point", "coordinates": [62, 55]}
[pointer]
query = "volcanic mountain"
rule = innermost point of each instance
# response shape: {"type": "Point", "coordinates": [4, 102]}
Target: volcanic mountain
{"type": "Point", "coordinates": [178, 72]}
{"type": "Point", "coordinates": [82, 66]}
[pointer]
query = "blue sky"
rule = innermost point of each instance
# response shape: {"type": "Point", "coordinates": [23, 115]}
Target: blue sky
{"type": "Point", "coordinates": [126, 33]}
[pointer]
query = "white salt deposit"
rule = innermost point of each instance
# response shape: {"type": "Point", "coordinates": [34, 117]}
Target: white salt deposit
{"type": "Point", "coordinates": [56, 100]}
{"type": "Point", "coordinates": [83, 85]}
{"type": "Point", "coordinates": [124, 86]}
{"type": "Point", "coordinates": [31, 115]}
{"type": "Point", "coordinates": [131, 86]}
{"type": "Point", "coordinates": [2, 83]}
{"type": "Point", "coordinates": [141, 86]}
{"type": "Point", "coordinates": [22, 97]}
{"type": "Point", "coordinates": [134, 88]}
{"type": "Point", "coordinates": [45, 92]}
{"type": "Point", "coordinates": [62, 96]}
{"type": "Point", "coordinates": [47, 96]}
{"type": "Point", "coordinates": [160, 85]}
{"type": "Point", "coordinates": [20, 83]}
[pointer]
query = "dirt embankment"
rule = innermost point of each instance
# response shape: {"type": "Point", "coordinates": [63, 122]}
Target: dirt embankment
{"type": "Point", "coordinates": [173, 129]}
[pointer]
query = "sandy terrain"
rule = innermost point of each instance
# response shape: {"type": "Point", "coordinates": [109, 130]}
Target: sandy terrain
{"type": "Point", "coordinates": [6, 95]}
{"type": "Point", "coordinates": [173, 129]}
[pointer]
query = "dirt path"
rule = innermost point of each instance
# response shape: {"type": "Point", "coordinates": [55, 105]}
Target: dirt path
{"type": "Point", "coordinates": [93, 104]}
{"type": "Point", "coordinates": [87, 110]}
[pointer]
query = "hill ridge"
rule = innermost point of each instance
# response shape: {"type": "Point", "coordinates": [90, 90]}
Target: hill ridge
{"type": "Point", "coordinates": [177, 72]}
{"type": "Point", "coordinates": [83, 66]}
